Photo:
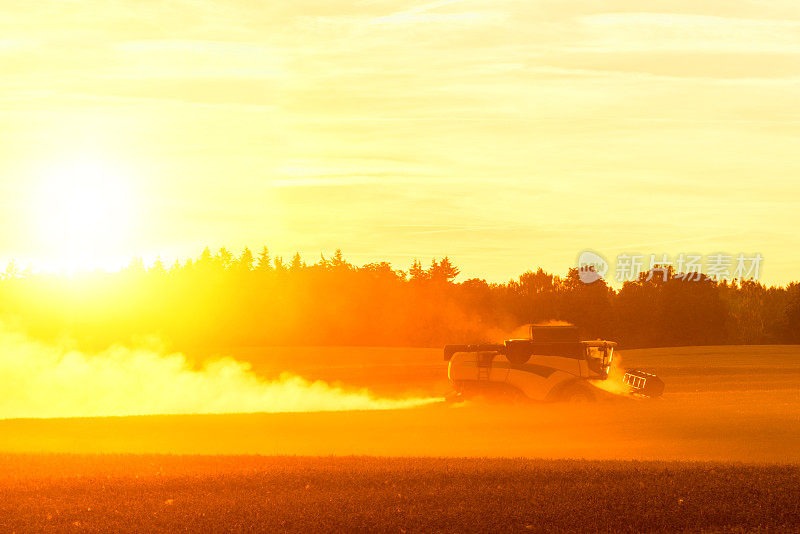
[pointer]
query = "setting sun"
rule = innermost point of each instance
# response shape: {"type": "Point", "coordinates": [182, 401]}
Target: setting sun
{"type": "Point", "coordinates": [84, 214]}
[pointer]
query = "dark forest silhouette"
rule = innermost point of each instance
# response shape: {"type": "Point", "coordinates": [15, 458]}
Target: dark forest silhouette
{"type": "Point", "coordinates": [221, 300]}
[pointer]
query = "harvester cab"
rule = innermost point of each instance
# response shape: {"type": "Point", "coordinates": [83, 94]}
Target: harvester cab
{"type": "Point", "coordinates": [553, 364]}
{"type": "Point", "coordinates": [598, 357]}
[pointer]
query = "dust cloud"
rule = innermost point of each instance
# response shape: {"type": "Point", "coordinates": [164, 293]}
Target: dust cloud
{"type": "Point", "coordinates": [614, 383]}
{"type": "Point", "coordinates": [45, 380]}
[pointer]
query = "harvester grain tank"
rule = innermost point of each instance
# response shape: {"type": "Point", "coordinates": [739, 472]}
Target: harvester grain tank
{"type": "Point", "coordinates": [553, 364]}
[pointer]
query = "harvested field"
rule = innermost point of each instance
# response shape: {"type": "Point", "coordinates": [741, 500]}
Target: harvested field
{"type": "Point", "coordinates": [233, 493]}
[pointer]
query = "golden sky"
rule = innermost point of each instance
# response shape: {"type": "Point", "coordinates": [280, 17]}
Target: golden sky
{"type": "Point", "coordinates": [505, 134]}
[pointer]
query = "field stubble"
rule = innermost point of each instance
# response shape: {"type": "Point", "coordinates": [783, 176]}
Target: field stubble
{"type": "Point", "coordinates": [232, 493]}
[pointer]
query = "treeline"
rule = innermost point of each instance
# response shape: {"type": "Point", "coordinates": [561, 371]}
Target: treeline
{"type": "Point", "coordinates": [220, 300]}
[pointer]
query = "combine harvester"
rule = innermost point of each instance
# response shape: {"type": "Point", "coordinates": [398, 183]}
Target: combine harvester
{"type": "Point", "coordinates": [553, 365]}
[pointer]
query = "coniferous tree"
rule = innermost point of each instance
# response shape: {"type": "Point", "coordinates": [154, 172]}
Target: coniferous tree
{"type": "Point", "coordinates": [443, 271]}
{"type": "Point", "coordinates": [416, 272]}
{"type": "Point", "coordinates": [158, 268]}
{"type": "Point", "coordinates": [264, 262]}
{"type": "Point", "coordinates": [338, 261]}
{"type": "Point", "coordinates": [297, 263]}
{"type": "Point", "coordinates": [224, 258]}
{"type": "Point", "coordinates": [205, 260]}
{"type": "Point", "coordinates": [245, 262]}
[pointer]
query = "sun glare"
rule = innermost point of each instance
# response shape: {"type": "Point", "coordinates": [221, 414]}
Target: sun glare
{"type": "Point", "coordinates": [84, 216]}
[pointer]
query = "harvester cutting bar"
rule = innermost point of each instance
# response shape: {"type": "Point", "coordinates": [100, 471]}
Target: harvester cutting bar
{"type": "Point", "coordinates": [636, 382]}
{"type": "Point", "coordinates": [643, 383]}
